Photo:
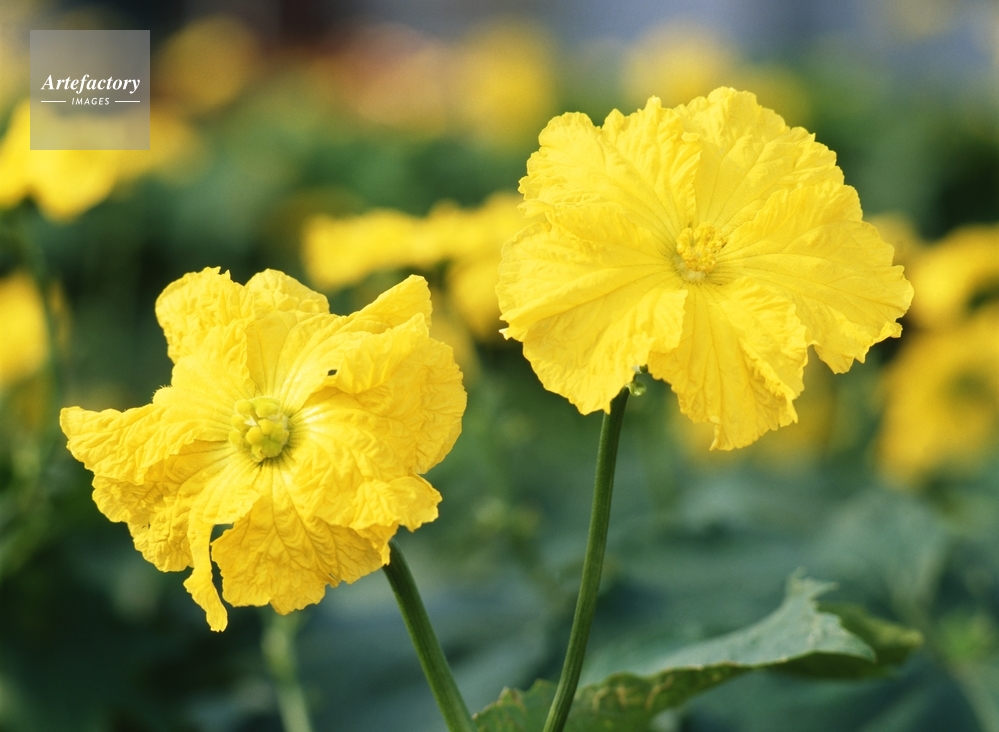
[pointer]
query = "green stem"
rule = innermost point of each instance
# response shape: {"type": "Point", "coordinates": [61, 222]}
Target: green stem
{"type": "Point", "coordinates": [278, 645]}
{"type": "Point", "coordinates": [610, 433]}
{"type": "Point", "coordinates": [435, 666]}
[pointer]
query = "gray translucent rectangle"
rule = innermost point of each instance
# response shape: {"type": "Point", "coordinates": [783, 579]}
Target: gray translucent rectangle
{"type": "Point", "coordinates": [89, 89]}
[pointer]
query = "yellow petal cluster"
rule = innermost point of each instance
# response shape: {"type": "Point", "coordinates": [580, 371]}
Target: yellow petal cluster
{"type": "Point", "coordinates": [340, 252]}
{"type": "Point", "coordinates": [942, 391]}
{"type": "Point", "coordinates": [956, 276]}
{"type": "Point", "coordinates": [304, 432]}
{"type": "Point", "coordinates": [710, 242]}
{"type": "Point", "coordinates": [65, 183]}
{"type": "Point", "coordinates": [24, 345]}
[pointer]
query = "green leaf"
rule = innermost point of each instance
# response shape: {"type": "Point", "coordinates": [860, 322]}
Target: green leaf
{"type": "Point", "coordinates": [892, 644]}
{"type": "Point", "coordinates": [646, 678]}
{"type": "Point", "coordinates": [518, 711]}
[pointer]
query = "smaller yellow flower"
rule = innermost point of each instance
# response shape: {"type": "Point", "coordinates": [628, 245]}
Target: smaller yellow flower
{"type": "Point", "coordinates": [955, 276]}
{"type": "Point", "coordinates": [24, 346]}
{"type": "Point", "coordinates": [303, 432]}
{"type": "Point", "coordinates": [942, 406]}
{"type": "Point", "coordinates": [340, 252]}
{"type": "Point", "coordinates": [504, 87]}
{"type": "Point", "coordinates": [208, 63]}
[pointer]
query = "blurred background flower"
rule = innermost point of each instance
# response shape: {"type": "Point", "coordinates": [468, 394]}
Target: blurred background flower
{"type": "Point", "coordinates": [350, 143]}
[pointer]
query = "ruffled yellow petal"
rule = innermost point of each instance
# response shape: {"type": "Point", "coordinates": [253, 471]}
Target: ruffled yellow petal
{"type": "Point", "coordinates": [190, 307]}
{"type": "Point", "coordinates": [399, 422]}
{"type": "Point", "coordinates": [642, 164]}
{"type": "Point", "coordinates": [257, 554]}
{"type": "Point", "coordinates": [739, 362]}
{"type": "Point", "coordinates": [274, 290]}
{"type": "Point", "coordinates": [124, 445]}
{"type": "Point", "coordinates": [393, 307]}
{"type": "Point", "coordinates": [589, 310]}
{"type": "Point", "coordinates": [747, 155]}
{"type": "Point", "coordinates": [811, 246]}
{"type": "Point", "coordinates": [200, 582]}
{"type": "Point", "coordinates": [158, 510]}
{"type": "Point", "coordinates": [410, 501]}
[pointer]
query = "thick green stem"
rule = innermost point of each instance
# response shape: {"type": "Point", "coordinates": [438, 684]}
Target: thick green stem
{"type": "Point", "coordinates": [278, 644]}
{"type": "Point", "coordinates": [428, 649]}
{"type": "Point", "coordinates": [593, 563]}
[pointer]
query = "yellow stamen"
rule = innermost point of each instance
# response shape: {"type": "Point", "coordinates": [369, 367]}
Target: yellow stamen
{"type": "Point", "coordinates": [259, 427]}
{"type": "Point", "coordinates": [697, 251]}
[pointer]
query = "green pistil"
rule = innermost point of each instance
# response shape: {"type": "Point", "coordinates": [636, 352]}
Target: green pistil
{"type": "Point", "coordinates": [259, 427]}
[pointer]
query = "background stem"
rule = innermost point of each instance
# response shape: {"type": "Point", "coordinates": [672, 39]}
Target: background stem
{"type": "Point", "coordinates": [435, 665]}
{"type": "Point", "coordinates": [278, 645]}
{"type": "Point", "coordinates": [610, 433]}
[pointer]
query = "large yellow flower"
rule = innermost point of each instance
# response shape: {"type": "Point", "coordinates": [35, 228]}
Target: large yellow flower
{"type": "Point", "coordinates": [710, 242]}
{"type": "Point", "coordinates": [305, 431]}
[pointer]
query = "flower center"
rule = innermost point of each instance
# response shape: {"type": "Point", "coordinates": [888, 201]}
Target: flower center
{"type": "Point", "coordinates": [259, 427]}
{"type": "Point", "coordinates": [697, 250]}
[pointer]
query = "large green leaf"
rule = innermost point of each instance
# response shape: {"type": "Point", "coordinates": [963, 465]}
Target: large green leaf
{"type": "Point", "coordinates": [644, 679]}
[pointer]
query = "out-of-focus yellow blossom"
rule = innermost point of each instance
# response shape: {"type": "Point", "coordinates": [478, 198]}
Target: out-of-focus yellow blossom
{"type": "Point", "coordinates": [710, 242]}
{"type": "Point", "coordinates": [340, 252]}
{"type": "Point", "coordinates": [955, 276]}
{"type": "Point", "coordinates": [943, 398]}
{"type": "Point", "coordinates": [305, 431]}
{"type": "Point", "coordinates": [65, 183]}
{"type": "Point", "coordinates": [677, 62]}
{"type": "Point", "coordinates": [24, 346]}
{"type": "Point", "coordinates": [504, 87]}
{"type": "Point", "coordinates": [207, 64]}
{"type": "Point", "coordinates": [897, 229]}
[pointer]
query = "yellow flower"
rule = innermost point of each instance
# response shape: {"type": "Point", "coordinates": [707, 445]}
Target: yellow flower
{"type": "Point", "coordinates": [710, 242]}
{"type": "Point", "coordinates": [208, 63]}
{"type": "Point", "coordinates": [305, 431]}
{"type": "Point", "coordinates": [955, 276]}
{"type": "Point", "coordinates": [339, 252]}
{"type": "Point", "coordinates": [24, 346]}
{"type": "Point", "coordinates": [942, 398]}
{"type": "Point", "coordinates": [504, 86]}
{"type": "Point", "coordinates": [65, 183]}
{"type": "Point", "coordinates": [677, 62]}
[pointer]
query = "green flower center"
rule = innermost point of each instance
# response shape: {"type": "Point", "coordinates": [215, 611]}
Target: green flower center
{"type": "Point", "coordinates": [697, 251]}
{"type": "Point", "coordinates": [259, 427]}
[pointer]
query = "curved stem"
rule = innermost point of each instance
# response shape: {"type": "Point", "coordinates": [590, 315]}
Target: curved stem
{"type": "Point", "coordinates": [610, 433]}
{"type": "Point", "coordinates": [278, 645]}
{"type": "Point", "coordinates": [435, 666]}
